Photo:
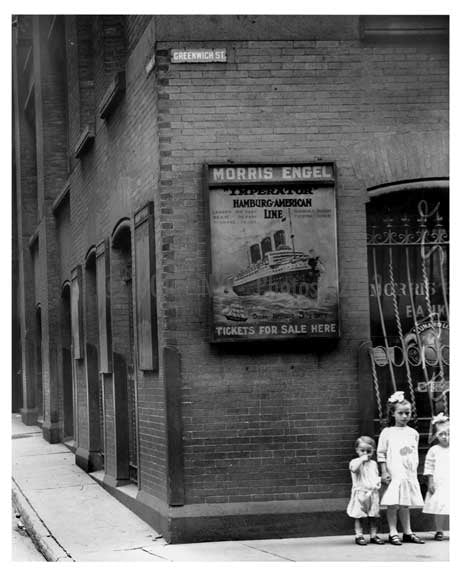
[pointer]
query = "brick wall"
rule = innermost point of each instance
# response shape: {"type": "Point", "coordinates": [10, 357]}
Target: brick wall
{"type": "Point", "coordinates": [112, 180]}
{"type": "Point", "coordinates": [262, 425]}
{"type": "Point", "coordinates": [109, 49]}
{"type": "Point", "coordinates": [135, 27]}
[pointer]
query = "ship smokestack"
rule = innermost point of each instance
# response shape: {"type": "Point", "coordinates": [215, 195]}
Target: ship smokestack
{"type": "Point", "coordinates": [266, 245]}
{"type": "Point", "coordinates": [279, 238]}
{"type": "Point", "coordinates": [255, 253]}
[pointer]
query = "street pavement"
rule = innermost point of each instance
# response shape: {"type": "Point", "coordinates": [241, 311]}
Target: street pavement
{"type": "Point", "coordinates": [72, 518]}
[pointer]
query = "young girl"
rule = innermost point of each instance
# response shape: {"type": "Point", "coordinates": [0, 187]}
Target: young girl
{"type": "Point", "coordinates": [364, 502]}
{"type": "Point", "coordinates": [436, 468]}
{"type": "Point", "coordinates": [398, 458]}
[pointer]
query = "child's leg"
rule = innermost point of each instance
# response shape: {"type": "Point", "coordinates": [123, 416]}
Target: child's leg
{"type": "Point", "coordinates": [358, 527]}
{"type": "Point", "coordinates": [439, 522]}
{"type": "Point", "coordinates": [373, 527]}
{"type": "Point", "coordinates": [392, 519]}
{"type": "Point", "coordinates": [404, 515]}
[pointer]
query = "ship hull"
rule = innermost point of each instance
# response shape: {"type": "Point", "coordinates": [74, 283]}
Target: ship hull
{"type": "Point", "coordinates": [236, 318]}
{"type": "Point", "coordinates": [304, 282]}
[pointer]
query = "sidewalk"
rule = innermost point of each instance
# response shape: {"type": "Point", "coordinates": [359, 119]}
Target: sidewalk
{"type": "Point", "coordinates": [72, 518]}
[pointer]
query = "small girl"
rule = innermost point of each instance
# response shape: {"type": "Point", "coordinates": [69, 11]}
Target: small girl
{"type": "Point", "coordinates": [398, 457]}
{"type": "Point", "coordinates": [364, 502]}
{"type": "Point", "coordinates": [436, 468]}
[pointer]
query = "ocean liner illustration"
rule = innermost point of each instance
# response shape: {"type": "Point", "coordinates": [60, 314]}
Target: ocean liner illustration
{"type": "Point", "coordinates": [277, 267]}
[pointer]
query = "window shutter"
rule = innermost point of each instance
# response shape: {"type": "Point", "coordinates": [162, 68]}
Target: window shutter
{"type": "Point", "coordinates": [103, 294]}
{"type": "Point", "coordinates": [145, 286]}
{"type": "Point", "coordinates": [76, 312]}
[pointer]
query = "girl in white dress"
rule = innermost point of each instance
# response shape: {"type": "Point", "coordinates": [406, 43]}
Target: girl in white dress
{"type": "Point", "coordinates": [436, 468]}
{"type": "Point", "coordinates": [398, 457]}
{"type": "Point", "coordinates": [364, 502]}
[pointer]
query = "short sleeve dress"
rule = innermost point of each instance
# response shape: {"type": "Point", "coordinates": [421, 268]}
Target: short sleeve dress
{"type": "Point", "coordinates": [437, 465]}
{"type": "Point", "coordinates": [364, 500]}
{"type": "Point", "coordinates": [398, 447]}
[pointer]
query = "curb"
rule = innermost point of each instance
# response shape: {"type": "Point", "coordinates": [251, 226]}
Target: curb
{"type": "Point", "coordinates": [37, 530]}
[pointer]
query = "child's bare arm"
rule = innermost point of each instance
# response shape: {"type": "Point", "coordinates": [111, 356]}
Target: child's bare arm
{"type": "Point", "coordinates": [355, 464]}
{"type": "Point", "coordinates": [430, 484]}
{"type": "Point", "coordinates": [385, 475]}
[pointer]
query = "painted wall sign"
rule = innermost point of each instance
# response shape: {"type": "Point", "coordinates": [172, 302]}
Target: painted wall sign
{"type": "Point", "coordinates": [198, 55]}
{"type": "Point", "coordinates": [276, 173]}
{"type": "Point", "coordinates": [273, 252]}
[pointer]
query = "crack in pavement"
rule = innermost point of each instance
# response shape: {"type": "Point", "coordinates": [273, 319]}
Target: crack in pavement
{"type": "Point", "coordinates": [140, 548]}
{"type": "Point", "coordinates": [270, 553]}
{"type": "Point", "coordinates": [157, 555]}
{"type": "Point", "coordinates": [81, 486]}
{"type": "Point", "coordinates": [19, 456]}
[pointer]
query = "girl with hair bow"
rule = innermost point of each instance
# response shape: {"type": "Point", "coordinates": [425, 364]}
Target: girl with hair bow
{"type": "Point", "coordinates": [437, 470]}
{"type": "Point", "coordinates": [398, 458]}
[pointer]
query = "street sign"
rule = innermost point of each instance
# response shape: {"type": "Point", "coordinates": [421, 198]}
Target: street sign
{"type": "Point", "coordinates": [198, 55]}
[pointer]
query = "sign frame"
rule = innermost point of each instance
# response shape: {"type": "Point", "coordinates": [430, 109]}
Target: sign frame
{"type": "Point", "coordinates": [199, 55]}
{"type": "Point", "coordinates": [277, 176]}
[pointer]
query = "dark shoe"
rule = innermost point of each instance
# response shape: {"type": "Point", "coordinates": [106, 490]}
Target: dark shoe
{"type": "Point", "coordinates": [438, 536]}
{"type": "Point", "coordinates": [360, 540]}
{"type": "Point", "coordinates": [395, 540]}
{"type": "Point", "coordinates": [376, 540]}
{"type": "Point", "coordinates": [412, 538]}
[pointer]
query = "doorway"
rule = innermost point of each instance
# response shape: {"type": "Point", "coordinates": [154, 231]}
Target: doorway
{"type": "Point", "coordinates": [123, 348]}
{"type": "Point", "coordinates": [66, 355]}
{"type": "Point", "coordinates": [38, 364]}
{"type": "Point", "coordinates": [94, 382]}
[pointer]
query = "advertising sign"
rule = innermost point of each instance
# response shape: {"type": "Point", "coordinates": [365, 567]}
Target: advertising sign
{"type": "Point", "coordinates": [273, 251]}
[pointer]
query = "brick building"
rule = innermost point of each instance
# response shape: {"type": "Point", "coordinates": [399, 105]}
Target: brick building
{"type": "Point", "coordinates": [118, 123]}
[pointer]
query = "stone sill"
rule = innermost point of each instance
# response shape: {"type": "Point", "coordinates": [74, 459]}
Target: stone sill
{"type": "Point", "coordinates": [34, 237]}
{"type": "Point", "coordinates": [27, 60]}
{"type": "Point", "coordinates": [52, 28]}
{"type": "Point", "coordinates": [112, 96]}
{"type": "Point", "coordinates": [85, 140]}
{"type": "Point", "coordinates": [61, 197]}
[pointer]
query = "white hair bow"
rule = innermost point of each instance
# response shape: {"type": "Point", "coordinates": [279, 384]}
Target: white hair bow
{"type": "Point", "coordinates": [397, 397]}
{"type": "Point", "coordinates": [439, 418]}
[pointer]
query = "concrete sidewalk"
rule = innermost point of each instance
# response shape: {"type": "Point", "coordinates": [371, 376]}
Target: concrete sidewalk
{"type": "Point", "coordinates": [72, 518]}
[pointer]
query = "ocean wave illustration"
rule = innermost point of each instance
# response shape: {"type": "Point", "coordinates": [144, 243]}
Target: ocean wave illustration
{"type": "Point", "coordinates": [274, 306]}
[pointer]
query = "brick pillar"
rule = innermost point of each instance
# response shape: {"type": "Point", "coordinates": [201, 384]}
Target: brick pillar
{"type": "Point", "coordinates": [51, 119]}
{"type": "Point", "coordinates": [88, 455]}
{"type": "Point", "coordinates": [26, 218]}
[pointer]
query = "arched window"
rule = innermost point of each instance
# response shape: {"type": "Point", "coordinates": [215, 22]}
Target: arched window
{"type": "Point", "coordinates": [408, 263]}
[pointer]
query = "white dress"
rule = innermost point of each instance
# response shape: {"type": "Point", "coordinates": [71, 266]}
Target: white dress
{"type": "Point", "coordinates": [398, 447]}
{"type": "Point", "coordinates": [437, 464]}
{"type": "Point", "coordinates": [365, 490]}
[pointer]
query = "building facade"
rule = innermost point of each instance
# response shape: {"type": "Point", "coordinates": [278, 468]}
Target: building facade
{"type": "Point", "coordinates": [130, 135]}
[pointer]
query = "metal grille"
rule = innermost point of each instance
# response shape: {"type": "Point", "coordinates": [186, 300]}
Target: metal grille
{"type": "Point", "coordinates": [101, 415]}
{"type": "Point", "coordinates": [132, 440]}
{"type": "Point", "coordinates": [131, 397]}
{"type": "Point", "coordinates": [408, 250]}
{"type": "Point", "coordinates": [38, 365]}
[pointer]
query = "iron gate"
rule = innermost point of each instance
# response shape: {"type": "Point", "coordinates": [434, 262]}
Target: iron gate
{"type": "Point", "coordinates": [408, 251]}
